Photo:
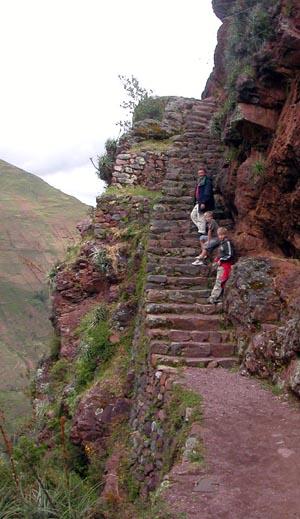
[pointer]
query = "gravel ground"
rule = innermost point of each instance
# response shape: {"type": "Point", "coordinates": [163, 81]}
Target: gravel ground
{"type": "Point", "coordinates": [252, 453]}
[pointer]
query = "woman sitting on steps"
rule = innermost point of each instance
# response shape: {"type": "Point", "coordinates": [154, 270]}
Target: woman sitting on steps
{"type": "Point", "coordinates": [208, 241]}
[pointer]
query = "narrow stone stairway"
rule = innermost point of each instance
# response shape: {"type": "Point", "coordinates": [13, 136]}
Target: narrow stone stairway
{"type": "Point", "coordinates": [248, 464]}
{"type": "Point", "coordinates": [183, 328]}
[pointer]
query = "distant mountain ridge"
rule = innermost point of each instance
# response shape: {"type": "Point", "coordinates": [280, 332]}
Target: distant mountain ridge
{"type": "Point", "coordinates": [37, 224]}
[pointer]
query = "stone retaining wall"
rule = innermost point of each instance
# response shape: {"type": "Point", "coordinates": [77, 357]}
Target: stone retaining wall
{"type": "Point", "coordinates": [148, 417]}
{"type": "Point", "coordinates": [143, 168]}
{"type": "Point", "coordinates": [116, 212]}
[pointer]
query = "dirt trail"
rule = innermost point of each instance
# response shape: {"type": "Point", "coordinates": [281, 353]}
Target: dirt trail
{"type": "Point", "coordinates": [252, 453]}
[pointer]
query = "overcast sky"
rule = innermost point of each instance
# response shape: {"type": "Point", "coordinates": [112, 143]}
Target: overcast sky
{"type": "Point", "coordinates": [60, 60]}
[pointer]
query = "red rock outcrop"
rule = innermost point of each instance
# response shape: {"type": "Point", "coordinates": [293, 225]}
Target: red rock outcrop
{"type": "Point", "coordinates": [259, 122]}
{"type": "Point", "coordinates": [264, 128]}
{"type": "Point", "coordinates": [263, 302]}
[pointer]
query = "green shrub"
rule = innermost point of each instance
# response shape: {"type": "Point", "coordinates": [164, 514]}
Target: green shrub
{"type": "Point", "coordinates": [101, 260]}
{"type": "Point", "coordinates": [105, 162]}
{"type": "Point", "coordinates": [96, 351]}
{"type": "Point", "coordinates": [59, 370]}
{"type": "Point", "coordinates": [54, 347]}
{"type": "Point", "coordinates": [258, 168]}
{"type": "Point", "coordinates": [41, 296]}
{"type": "Point", "coordinates": [218, 120]}
{"type": "Point", "coordinates": [149, 108]}
{"type": "Point", "coordinates": [51, 276]}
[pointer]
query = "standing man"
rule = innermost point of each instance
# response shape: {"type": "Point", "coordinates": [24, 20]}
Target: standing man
{"type": "Point", "coordinates": [203, 199]}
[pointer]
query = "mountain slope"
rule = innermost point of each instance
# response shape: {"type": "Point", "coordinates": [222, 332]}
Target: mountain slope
{"type": "Point", "coordinates": [37, 224]}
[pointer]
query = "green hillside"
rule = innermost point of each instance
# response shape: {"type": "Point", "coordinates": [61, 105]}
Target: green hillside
{"type": "Point", "coordinates": [37, 224]}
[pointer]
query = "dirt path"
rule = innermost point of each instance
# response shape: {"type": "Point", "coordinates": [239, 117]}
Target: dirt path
{"type": "Point", "coordinates": [252, 453]}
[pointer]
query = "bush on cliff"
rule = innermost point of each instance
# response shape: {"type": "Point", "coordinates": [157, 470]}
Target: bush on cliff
{"type": "Point", "coordinates": [149, 108]}
{"type": "Point", "coordinates": [105, 162]}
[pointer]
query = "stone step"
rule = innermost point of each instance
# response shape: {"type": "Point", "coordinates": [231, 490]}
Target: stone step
{"type": "Point", "coordinates": [165, 215]}
{"type": "Point", "coordinates": [192, 349]}
{"type": "Point", "coordinates": [173, 282]}
{"type": "Point", "coordinates": [178, 296]}
{"type": "Point", "coordinates": [175, 261]}
{"type": "Point", "coordinates": [177, 192]}
{"type": "Point", "coordinates": [185, 199]}
{"type": "Point", "coordinates": [195, 362]}
{"type": "Point", "coordinates": [184, 322]}
{"type": "Point", "coordinates": [199, 115]}
{"type": "Point", "coordinates": [172, 242]}
{"type": "Point", "coordinates": [173, 252]}
{"type": "Point", "coordinates": [183, 308]}
{"type": "Point", "coordinates": [160, 226]}
{"type": "Point", "coordinates": [172, 261]}
{"type": "Point", "coordinates": [167, 336]}
{"type": "Point", "coordinates": [177, 270]}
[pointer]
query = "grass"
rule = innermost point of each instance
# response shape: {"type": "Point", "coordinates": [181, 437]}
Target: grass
{"type": "Point", "coordinates": [274, 388]}
{"type": "Point", "coordinates": [177, 427]}
{"type": "Point", "coordinates": [258, 168]}
{"type": "Point", "coordinates": [38, 222]}
{"type": "Point", "coordinates": [155, 145]}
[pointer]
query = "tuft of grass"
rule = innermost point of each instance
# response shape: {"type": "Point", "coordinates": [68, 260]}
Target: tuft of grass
{"type": "Point", "coordinates": [154, 145]}
{"type": "Point", "coordinates": [177, 426]}
{"type": "Point", "coordinates": [258, 168]}
{"type": "Point", "coordinates": [276, 389]}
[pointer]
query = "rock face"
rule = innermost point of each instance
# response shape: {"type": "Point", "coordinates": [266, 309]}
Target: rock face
{"type": "Point", "coordinates": [98, 413]}
{"type": "Point", "coordinates": [262, 300]}
{"type": "Point", "coordinates": [256, 80]}
{"type": "Point", "coordinates": [263, 130]}
{"type": "Point", "coordinates": [101, 266]}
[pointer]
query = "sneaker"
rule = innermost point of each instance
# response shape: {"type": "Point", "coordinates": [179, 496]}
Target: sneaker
{"type": "Point", "coordinates": [198, 262]}
{"type": "Point", "coordinates": [214, 302]}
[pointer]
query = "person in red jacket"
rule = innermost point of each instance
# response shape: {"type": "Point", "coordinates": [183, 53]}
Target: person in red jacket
{"type": "Point", "coordinates": [224, 261]}
{"type": "Point", "coordinates": [203, 199]}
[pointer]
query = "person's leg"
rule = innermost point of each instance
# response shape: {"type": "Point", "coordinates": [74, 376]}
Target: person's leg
{"type": "Point", "coordinates": [198, 259]}
{"type": "Point", "coordinates": [209, 247]}
{"type": "Point", "coordinates": [203, 242]}
{"type": "Point", "coordinates": [217, 289]}
{"type": "Point", "coordinates": [198, 219]}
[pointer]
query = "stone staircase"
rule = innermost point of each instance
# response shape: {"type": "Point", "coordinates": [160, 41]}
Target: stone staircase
{"type": "Point", "coordinates": [184, 329]}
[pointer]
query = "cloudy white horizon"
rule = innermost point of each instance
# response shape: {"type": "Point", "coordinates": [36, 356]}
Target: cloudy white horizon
{"type": "Point", "coordinates": [60, 92]}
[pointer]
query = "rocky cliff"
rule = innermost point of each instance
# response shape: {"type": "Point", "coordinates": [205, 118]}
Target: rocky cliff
{"type": "Point", "coordinates": [130, 310]}
{"type": "Point", "coordinates": [256, 82]}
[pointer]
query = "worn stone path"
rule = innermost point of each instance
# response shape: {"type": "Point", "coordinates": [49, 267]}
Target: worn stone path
{"type": "Point", "coordinates": [250, 437]}
{"type": "Point", "coordinates": [251, 450]}
{"type": "Point", "coordinates": [182, 327]}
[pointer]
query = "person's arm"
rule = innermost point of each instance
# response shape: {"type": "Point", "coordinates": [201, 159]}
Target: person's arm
{"type": "Point", "coordinates": [208, 190]}
{"type": "Point", "coordinates": [209, 233]}
{"type": "Point", "coordinates": [195, 196]}
{"type": "Point", "coordinates": [227, 252]}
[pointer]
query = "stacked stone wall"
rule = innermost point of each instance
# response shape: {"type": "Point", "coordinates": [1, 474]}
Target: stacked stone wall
{"type": "Point", "coordinates": [148, 421]}
{"type": "Point", "coordinates": [144, 168]}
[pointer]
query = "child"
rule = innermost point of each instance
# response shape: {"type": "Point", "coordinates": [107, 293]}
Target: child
{"type": "Point", "coordinates": [208, 241]}
{"type": "Point", "coordinates": [224, 262]}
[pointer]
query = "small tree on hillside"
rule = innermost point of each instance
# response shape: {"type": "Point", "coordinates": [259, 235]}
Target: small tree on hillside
{"type": "Point", "coordinates": [135, 94]}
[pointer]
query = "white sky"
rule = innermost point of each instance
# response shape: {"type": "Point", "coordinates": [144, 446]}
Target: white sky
{"type": "Point", "coordinates": [60, 60]}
